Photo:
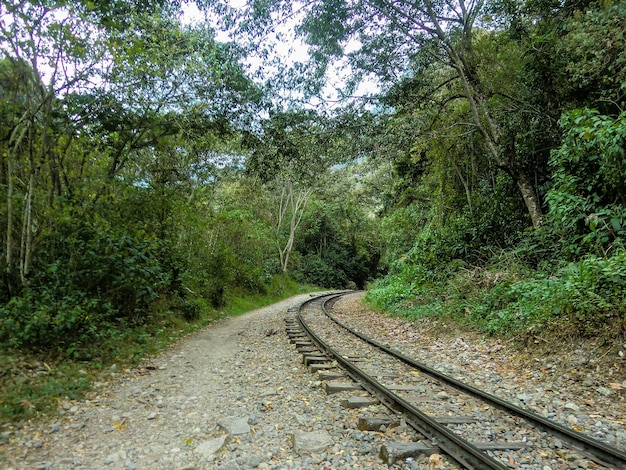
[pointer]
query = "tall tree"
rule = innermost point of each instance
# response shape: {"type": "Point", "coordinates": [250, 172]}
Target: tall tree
{"type": "Point", "coordinates": [48, 50]}
{"type": "Point", "coordinates": [395, 39]}
{"type": "Point", "coordinates": [90, 100]}
{"type": "Point", "coordinates": [288, 160]}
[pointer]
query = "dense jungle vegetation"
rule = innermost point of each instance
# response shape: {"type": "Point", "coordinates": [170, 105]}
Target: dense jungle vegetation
{"type": "Point", "coordinates": [153, 175]}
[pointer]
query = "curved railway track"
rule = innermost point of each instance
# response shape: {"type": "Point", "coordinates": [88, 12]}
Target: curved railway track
{"type": "Point", "coordinates": [443, 411]}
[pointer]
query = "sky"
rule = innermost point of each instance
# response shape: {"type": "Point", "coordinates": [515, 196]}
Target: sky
{"type": "Point", "coordinates": [290, 49]}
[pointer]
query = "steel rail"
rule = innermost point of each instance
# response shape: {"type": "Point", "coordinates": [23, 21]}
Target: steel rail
{"type": "Point", "coordinates": [603, 453]}
{"type": "Point", "coordinates": [459, 449]}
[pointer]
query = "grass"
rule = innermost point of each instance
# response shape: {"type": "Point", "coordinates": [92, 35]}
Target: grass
{"type": "Point", "coordinates": [280, 289]}
{"type": "Point", "coordinates": [509, 299]}
{"type": "Point", "coordinates": [33, 385]}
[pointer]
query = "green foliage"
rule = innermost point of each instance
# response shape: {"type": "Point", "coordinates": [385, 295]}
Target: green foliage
{"type": "Point", "coordinates": [29, 387]}
{"type": "Point", "coordinates": [90, 280]}
{"type": "Point", "coordinates": [512, 299]}
{"type": "Point", "coordinates": [584, 226]}
{"type": "Point", "coordinates": [583, 293]}
{"type": "Point", "coordinates": [326, 272]}
{"type": "Point", "coordinates": [595, 49]}
{"type": "Point", "coordinates": [337, 247]}
{"type": "Point", "coordinates": [588, 199]}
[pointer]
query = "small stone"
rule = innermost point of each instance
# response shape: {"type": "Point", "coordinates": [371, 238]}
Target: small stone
{"type": "Point", "coordinates": [315, 441]}
{"type": "Point", "coordinates": [572, 406]}
{"type": "Point", "coordinates": [208, 449]}
{"type": "Point", "coordinates": [235, 426]}
{"type": "Point", "coordinates": [115, 458]}
{"type": "Point", "coordinates": [393, 451]}
{"type": "Point", "coordinates": [571, 420]}
{"type": "Point", "coordinates": [43, 466]}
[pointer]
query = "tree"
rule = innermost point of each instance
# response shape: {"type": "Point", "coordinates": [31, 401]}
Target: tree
{"type": "Point", "coordinates": [403, 39]}
{"type": "Point", "coordinates": [288, 159]}
{"type": "Point", "coordinates": [48, 50]}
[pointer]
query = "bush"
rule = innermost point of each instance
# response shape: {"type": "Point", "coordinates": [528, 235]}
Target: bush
{"type": "Point", "coordinates": [90, 280]}
{"type": "Point", "coordinates": [588, 199]}
{"type": "Point", "coordinates": [583, 293]}
{"type": "Point", "coordinates": [319, 271]}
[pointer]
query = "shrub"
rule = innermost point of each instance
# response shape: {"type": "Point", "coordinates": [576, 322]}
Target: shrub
{"type": "Point", "coordinates": [583, 292]}
{"type": "Point", "coordinates": [89, 281]}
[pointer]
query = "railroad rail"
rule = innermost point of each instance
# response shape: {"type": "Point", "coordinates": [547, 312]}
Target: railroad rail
{"type": "Point", "coordinates": [472, 455]}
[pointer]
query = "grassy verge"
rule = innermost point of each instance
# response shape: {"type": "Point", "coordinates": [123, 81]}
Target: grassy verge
{"type": "Point", "coordinates": [33, 385]}
{"type": "Point", "coordinates": [510, 299]}
{"type": "Point", "coordinates": [281, 288]}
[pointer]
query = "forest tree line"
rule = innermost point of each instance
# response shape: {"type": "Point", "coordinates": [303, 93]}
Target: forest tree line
{"type": "Point", "coordinates": [145, 169]}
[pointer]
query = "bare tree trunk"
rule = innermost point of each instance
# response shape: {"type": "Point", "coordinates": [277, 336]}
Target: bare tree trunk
{"type": "Point", "coordinates": [8, 267]}
{"type": "Point", "coordinates": [27, 232]}
{"type": "Point", "coordinates": [465, 183]}
{"type": "Point", "coordinates": [15, 141]}
{"type": "Point", "coordinates": [479, 109]}
{"type": "Point", "coordinates": [289, 202]}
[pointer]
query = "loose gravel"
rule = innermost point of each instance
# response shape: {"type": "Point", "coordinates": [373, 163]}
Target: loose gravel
{"type": "Point", "coordinates": [236, 396]}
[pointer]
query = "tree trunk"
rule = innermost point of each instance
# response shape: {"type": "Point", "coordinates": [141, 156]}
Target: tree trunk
{"type": "Point", "coordinates": [527, 190]}
{"type": "Point", "coordinates": [479, 108]}
{"type": "Point", "coordinates": [296, 206]}
{"type": "Point", "coordinates": [8, 268]}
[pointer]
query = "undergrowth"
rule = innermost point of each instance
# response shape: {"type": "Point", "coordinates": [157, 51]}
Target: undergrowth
{"type": "Point", "coordinates": [509, 298]}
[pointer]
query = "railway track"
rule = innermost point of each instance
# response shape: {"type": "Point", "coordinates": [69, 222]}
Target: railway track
{"type": "Point", "coordinates": [472, 428]}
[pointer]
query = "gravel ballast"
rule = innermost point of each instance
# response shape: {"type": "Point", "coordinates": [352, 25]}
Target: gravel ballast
{"type": "Point", "coordinates": [236, 396]}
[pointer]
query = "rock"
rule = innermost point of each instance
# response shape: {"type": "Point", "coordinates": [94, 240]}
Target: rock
{"type": "Point", "coordinates": [572, 406]}
{"type": "Point", "coordinates": [230, 465]}
{"type": "Point", "coordinates": [208, 449]}
{"type": "Point", "coordinates": [393, 451]}
{"type": "Point", "coordinates": [315, 441]}
{"type": "Point", "coordinates": [234, 425]}
{"type": "Point", "coordinates": [43, 466]}
{"type": "Point", "coordinates": [115, 458]}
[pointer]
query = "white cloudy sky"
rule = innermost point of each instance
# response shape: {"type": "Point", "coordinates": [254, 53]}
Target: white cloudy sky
{"type": "Point", "coordinates": [291, 50]}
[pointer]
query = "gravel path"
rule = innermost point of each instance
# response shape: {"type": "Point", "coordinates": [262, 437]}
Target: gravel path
{"type": "Point", "coordinates": [236, 396]}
